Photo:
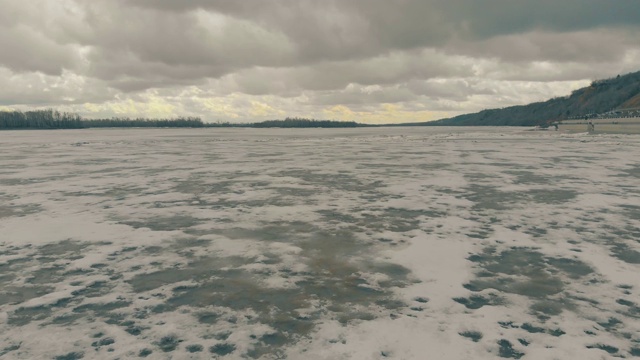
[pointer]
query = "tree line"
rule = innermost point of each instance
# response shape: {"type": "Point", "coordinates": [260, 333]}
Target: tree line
{"type": "Point", "coordinates": [51, 119]}
{"type": "Point", "coordinates": [39, 119]}
{"type": "Point", "coordinates": [305, 123]}
{"type": "Point", "coordinates": [187, 122]}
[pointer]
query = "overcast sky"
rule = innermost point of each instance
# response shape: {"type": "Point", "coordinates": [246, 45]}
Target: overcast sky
{"type": "Point", "coordinates": [371, 61]}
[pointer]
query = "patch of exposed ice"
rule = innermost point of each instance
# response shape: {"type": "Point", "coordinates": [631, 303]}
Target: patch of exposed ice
{"type": "Point", "coordinates": [319, 244]}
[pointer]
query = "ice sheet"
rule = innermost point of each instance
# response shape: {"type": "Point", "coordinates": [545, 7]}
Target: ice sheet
{"type": "Point", "coordinates": [405, 243]}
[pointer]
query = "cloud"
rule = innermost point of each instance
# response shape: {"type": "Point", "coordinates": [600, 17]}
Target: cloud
{"type": "Point", "coordinates": [403, 24]}
{"type": "Point", "coordinates": [363, 95]}
{"type": "Point", "coordinates": [27, 50]}
{"type": "Point", "coordinates": [39, 89]}
{"type": "Point", "coordinates": [591, 47]}
{"type": "Point", "coordinates": [245, 60]}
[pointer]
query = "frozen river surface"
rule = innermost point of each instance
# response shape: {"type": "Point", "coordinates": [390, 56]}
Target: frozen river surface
{"type": "Point", "coordinates": [400, 243]}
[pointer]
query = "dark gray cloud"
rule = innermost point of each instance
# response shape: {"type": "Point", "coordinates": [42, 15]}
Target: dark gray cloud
{"type": "Point", "coordinates": [402, 24]}
{"type": "Point", "coordinates": [595, 46]}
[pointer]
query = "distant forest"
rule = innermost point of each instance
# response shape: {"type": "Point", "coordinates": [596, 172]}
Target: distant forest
{"type": "Point", "coordinates": [40, 119]}
{"type": "Point", "coordinates": [51, 119]}
{"type": "Point", "coordinates": [305, 123]}
{"type": "Point", "coordinates": [188, 122]}
{"type": "Point", "coordinates": [602, 96]}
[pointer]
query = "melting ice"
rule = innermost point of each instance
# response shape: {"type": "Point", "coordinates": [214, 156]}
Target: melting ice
{"type": "Point", "coordinates": [401, 243]}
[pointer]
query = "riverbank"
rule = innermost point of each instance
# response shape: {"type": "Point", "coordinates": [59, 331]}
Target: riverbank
{"type": "Point", "coordinates": [604, 126]}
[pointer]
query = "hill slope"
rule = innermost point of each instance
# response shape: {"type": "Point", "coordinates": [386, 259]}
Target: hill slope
{"type": "Point", "coordinates": [601, 96]}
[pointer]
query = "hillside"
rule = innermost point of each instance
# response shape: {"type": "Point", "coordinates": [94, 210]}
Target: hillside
{"type": "Point", "coordinates": [601, 96]}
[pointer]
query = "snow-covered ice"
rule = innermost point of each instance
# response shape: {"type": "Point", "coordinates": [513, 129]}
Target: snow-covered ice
{"type": "Point", "coordinates": [381, 243]}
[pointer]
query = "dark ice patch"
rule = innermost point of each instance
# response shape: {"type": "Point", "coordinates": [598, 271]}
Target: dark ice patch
{"type": "Point", "coordinates": [626, 254]}
{"type": "Point", "coordinates": [340, 180]}
{"type": "Point", "coordinates": [145, 352]}
{"type": "Point", "coordinates": [475, 336]}
{"type": "Point", "coordinates": [70, 356]}
{"type": "Point", "coordinates": [531, 178]}
{"type": "Point", "coordinates": [188, 243]}
{"type": "Point", "coordinates": [103, 342]}
{"type": "Point", "coordinates": [531, 328]}
{"type": "Point", "coordinates": [19, 294]}
{"type": "Point", "coordinates": [222, 349]}
{"type": "Point", "coordinates": [7, 211]}
{"type": "Point", "coordinates": [66, 247]}
{"type": "Point", "coordinates": [224, 335]}
{"type": "Point", "coordinates": [573, 268]}
{"type": "Point", "coordinates": [536, 231]}
{"type": "Point", "coordinates": [491, 198]}
{"type": "Point", "coordinates": [170, 223]}
{"type": "Point", "coordinates": [101, 309]}
{"type": "Point", "coordinates": [608, 348]}
{"type": "Point", "coordinates": [168, 343]}
{"type": "Point", "coordinates": [477, 301]}
{"type": "Point", "coordinates": [481, 233]}
{"type": "Point", "coordinates": [631, 211]}
{"type": "Point", "coordinates": [552, 196]}
{"type": "Point", "coordinates": [632, 171]}
{"type": "Point", "coordinates": [524, 342]}
{"type": "Point", "coordinates": [525, 271]}
{"type": "Point", "coordinates": [626, 302]}
{"type": "Point", "coordinates": [294, 192]}
{"type": "Point", "coordinates": [195, 186]}
{"type": "Point", "coordinates": [487, 197]}
{"type": "Point", "coordinates": [95, 289]}
{"type": "Point", "coordinates": [506, 350]}
{"type": "Point", "coordinates": [508, 325]}
{"type": "Point", "coordinates": [334, 262]}
{"type": "Point", "coordinates": [551, 307]}
{"type": "Point", "coordinates": [23, 316]}
{"type": "Point", "coordinates": [9, 348]}
{"type": "Point", "coordinates": [207, 317]}
{"type": "Point", "coordinates": [294, 231]}
{"type": "Point", "coordinates": [65, 319]}
{"type": "Point", "coordinates": [556, 332]}
{"type": "Point", "coordinates": [194, 348]}
{"type": "Point", "coordinates": [611, 324]}
{"type": "Point", "coordinates": [380, 220]}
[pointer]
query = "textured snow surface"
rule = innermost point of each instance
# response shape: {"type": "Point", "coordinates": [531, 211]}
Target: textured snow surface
{"type": "Point", "coordinates": [385, 243]}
